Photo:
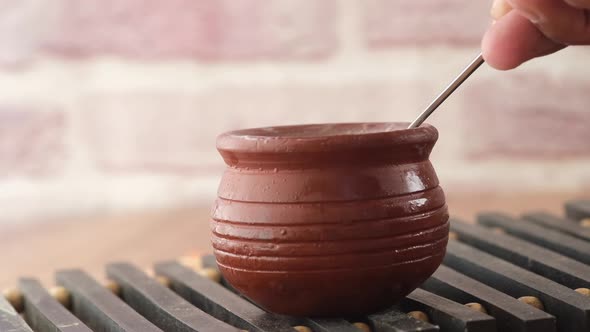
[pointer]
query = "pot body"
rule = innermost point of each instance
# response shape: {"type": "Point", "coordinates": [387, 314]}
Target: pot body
{"type": "Point", "coordinates": [335, 219]}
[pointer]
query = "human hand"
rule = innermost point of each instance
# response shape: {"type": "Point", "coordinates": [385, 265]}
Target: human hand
{"type": "Point", "coordinates": [526, 29]}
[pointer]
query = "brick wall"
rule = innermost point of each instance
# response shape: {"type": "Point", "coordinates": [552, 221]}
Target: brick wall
{"type": "Point", "coordinates": [110, 105]}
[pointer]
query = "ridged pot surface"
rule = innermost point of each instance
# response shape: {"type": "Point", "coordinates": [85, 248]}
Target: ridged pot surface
{"type": "Point", "coordinates": [333, 219]}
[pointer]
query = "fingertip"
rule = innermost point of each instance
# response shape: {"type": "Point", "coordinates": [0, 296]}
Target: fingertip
{"type": "Point", "coordinates": [495, 52]}
{"type": "Point", "coordinates": [513, 40]}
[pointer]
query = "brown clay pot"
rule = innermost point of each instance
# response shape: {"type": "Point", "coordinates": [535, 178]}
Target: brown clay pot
{"type": "Point", "coordinates": [322, 220]}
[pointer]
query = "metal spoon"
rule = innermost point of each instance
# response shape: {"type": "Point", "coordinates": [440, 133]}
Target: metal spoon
{"type": "Point", "coordinates": [478, 61]}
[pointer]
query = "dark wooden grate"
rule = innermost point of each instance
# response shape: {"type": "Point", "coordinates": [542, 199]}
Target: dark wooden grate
{"type": "Point", "coordinates": [493, 273]}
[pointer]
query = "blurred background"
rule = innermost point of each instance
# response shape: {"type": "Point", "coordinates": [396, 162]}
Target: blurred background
{"type": "Point", "coordinates": [109, 111]}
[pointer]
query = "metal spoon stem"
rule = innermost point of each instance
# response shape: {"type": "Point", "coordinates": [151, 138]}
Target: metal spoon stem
{"type": "Point", "coordinates": [478, 61]}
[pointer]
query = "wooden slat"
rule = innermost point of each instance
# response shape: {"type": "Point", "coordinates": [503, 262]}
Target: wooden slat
{"type": "Point", "coordinates": [448, 315]}
{"type": "Point", "coordinates": [275, 322]}
{"type": "Point", "coordinates": [220, 302]}
{"type": "Point", "coordinates": [571, 308]}
{"type": "Point", "coordinates": [511, 315]}
{"type": "Point", "coordinates": [394, 320]}
{"type": "Point", "coordinates": [159, 304]}
{"type": "Point", "coordinates": [562, 243]}
{"type": "Point", "coordinates": [98, 307]}
{"type": "Point", "coordinates": [209, 261]}
{"type": "Point", "coordinates": [329, 325]}
{"type": "Point", "coordinates": [539, 260]}
{"type": "Point", "coordinates": [44, 313]}
{"type": "Point", "coordinates": [10, 320]}
{"type": "Point", "coordinates": [563, 225]}
{"type": "Point", "coordinates": [578, 209]}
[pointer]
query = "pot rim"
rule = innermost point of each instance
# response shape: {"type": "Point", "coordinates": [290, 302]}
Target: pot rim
{"type": "Point", "coordinates": [325, 137]}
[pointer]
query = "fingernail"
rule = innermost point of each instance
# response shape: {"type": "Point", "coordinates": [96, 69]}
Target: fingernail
{"type": "Point", "coordinates": [527, 13]}
{"type": "Point", "coordinates": [530, 15]}
{"type": "Point", "coordinates": [499, 9]}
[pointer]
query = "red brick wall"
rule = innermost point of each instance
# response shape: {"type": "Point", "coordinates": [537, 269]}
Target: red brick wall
{"type": "Point", "coordinates": [110, 105]}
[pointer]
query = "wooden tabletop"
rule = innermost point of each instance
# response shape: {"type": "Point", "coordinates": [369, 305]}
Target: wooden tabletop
{"type": "Point", "coordinates": [39, 249]}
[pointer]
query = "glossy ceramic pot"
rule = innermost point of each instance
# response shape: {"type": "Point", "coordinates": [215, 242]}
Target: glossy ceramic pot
{"type": "Point", "coordinates": [334, 219]}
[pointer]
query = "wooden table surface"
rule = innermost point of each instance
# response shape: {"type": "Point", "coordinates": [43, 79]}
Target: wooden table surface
{"type": "Point", "coordinates": [38, 249]}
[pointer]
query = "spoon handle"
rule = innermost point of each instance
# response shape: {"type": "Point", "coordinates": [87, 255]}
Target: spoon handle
{"type": "Point", "coordinates": [478, 61]}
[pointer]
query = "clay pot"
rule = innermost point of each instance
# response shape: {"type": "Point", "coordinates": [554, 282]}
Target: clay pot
{"type": "Point", "coordinates": [322, 220]}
